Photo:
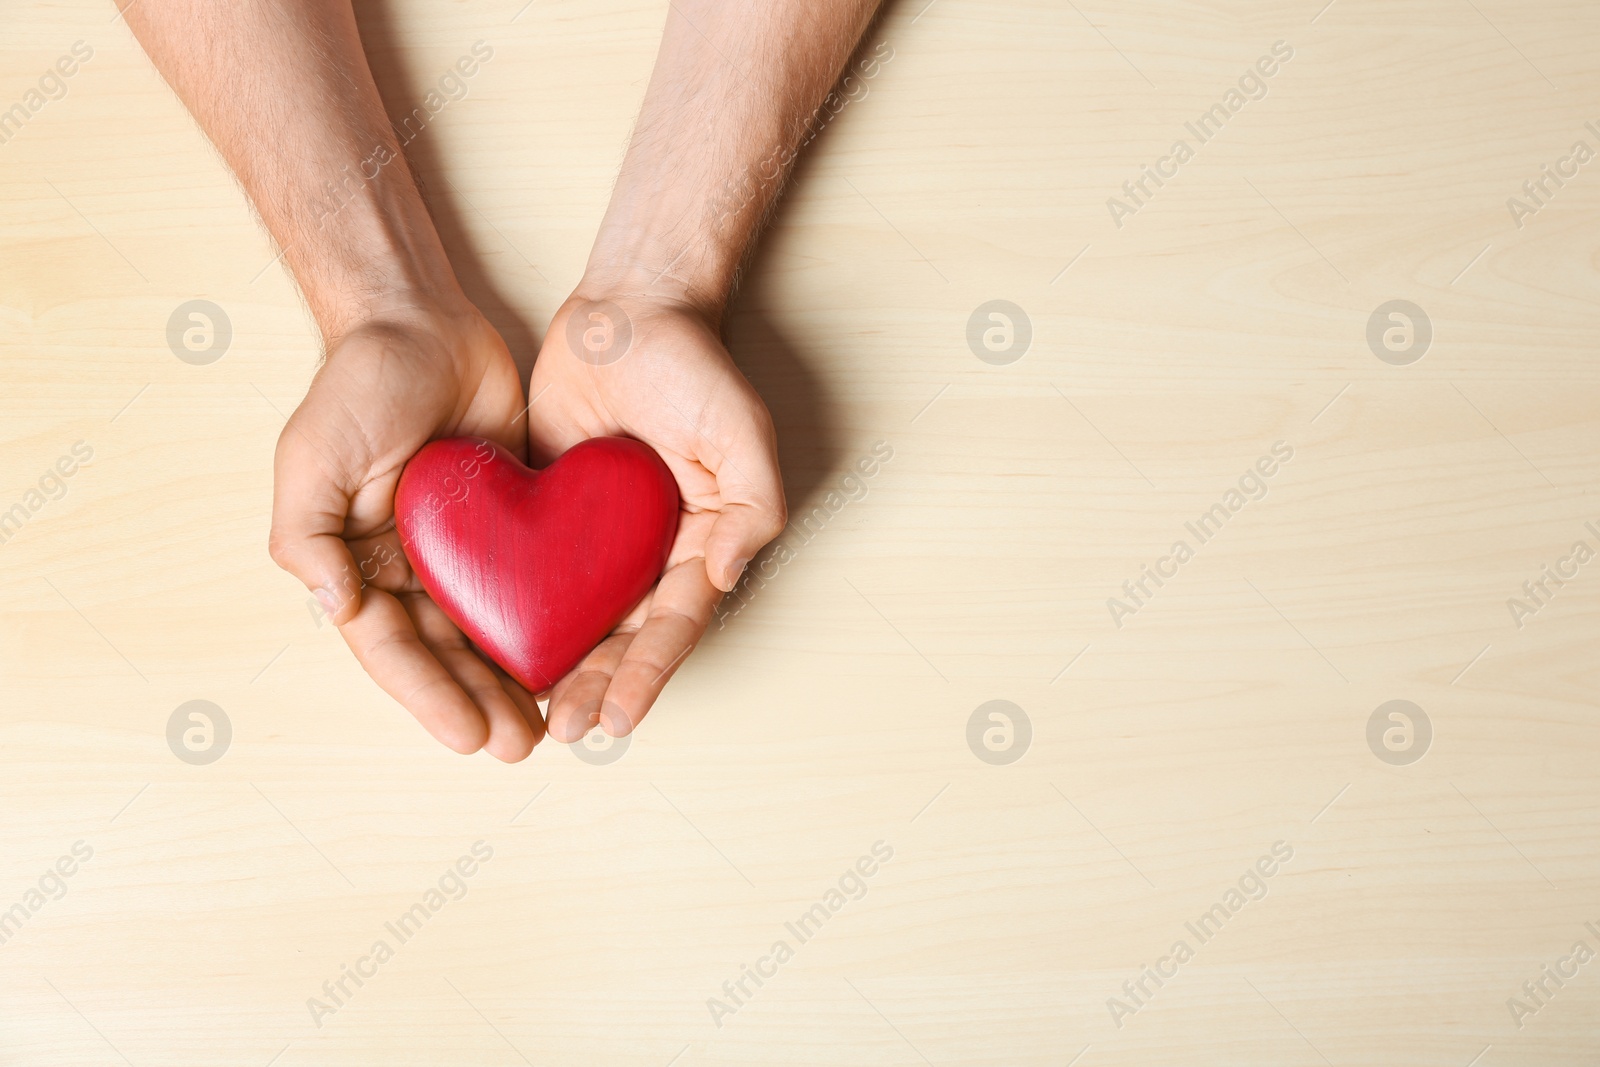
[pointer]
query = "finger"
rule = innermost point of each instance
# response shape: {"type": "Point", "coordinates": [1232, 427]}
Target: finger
{"type": "Point", "coordinates": [511, 737]}
{"type": "Point", "coordinates": [381, 561]}
{"type": "Point", "coordinates": [514, 728]}
{"type": "Point", "coordinates": [386, 644]}
{"type": "Point", "coordinates": [527, 703]}
{"type": "Point", "coordinates": [741, 531]}
{"type": "Point", "coordinates": [576, 700]}
{"type": "Point", "coordinates": [680, 610]}
{"type": "Point", "coordinates": [753, 510]}
{"type": "Point", "coordinates": [310, 501]}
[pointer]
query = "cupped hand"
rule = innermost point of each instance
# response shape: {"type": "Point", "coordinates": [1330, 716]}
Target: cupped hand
{"type": "Point", "coordinates": [389, 385]}
{"type": "Point", "coordinates": [655, 370]}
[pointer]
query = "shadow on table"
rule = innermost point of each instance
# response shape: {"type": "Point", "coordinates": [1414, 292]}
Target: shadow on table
{"type": "Point", "coordinates": [798, 399]}
{"type": "Point", "coordinates": [403, 88]}
{"type": "Point", "coordinates": [804, 409]}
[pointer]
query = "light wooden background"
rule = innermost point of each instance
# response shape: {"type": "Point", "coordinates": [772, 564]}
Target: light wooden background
{"type": "Point", "coordinates": [832, 712]}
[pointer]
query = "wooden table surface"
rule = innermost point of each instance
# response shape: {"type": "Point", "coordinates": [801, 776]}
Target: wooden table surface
{"type": "Point", "coordinates": [1211, 759]}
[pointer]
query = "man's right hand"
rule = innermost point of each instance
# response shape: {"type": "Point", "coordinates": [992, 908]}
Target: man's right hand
{"type": "Point", "coordinates": [283, 90]}
{"type": "Point", "coordinates": [389, 385]}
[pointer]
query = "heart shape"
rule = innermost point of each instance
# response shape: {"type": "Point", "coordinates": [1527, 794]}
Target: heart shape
{"type": "Point", "coordinates": [537, 566]}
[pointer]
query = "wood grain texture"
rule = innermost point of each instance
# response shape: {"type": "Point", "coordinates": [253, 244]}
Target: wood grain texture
{"type": "Point", "coordinates": [829, 707]}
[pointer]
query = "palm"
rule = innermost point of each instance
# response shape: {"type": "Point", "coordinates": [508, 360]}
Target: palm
{"type": "Point", "coordinates": [673, 386]}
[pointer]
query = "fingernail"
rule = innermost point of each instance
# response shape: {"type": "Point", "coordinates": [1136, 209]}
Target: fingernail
{"type": "Point", "coordinates": [613, 720]}
{"type": "Point", "coordinates": [325, 598]}
{"type": "Point", "coordinates": [574, 728]}
{"type": "Point", "coordinates": [738, 571]}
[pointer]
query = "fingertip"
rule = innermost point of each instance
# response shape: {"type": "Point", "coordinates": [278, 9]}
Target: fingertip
{"type": "Point", "coordinates": [528, 705]}
{"type": "Point", "coordinates": [511, 739]}
{"type": "Point", "coordinates": [340, 610]}
{"type": "Point", "coordinates": [736, 538]}
{"type": "Point", "coordinates": [614, 720]}
{"type": "Point", "coordinates": [512, 749]}
{"type": "Point", "coordinates": [725, 559]}
{"type": "Point", "coordinates": [732, 573]}
{"type": "Point", "coordinates": [323, 563]}
{"type": "Point", "coordinates": [464, 738]}
{"type": "Point", "coordinates": [568, 724]}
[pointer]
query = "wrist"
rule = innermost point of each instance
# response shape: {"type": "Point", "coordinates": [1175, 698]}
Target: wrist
{"type": "Point", "coordinates": [448, 328]}
{"type": "Point", "coordinates": [372, 255]}
{"type": "Point", "coordinates": [641, 287]}
{"type": "Point", "coordinates": [395, 298]}
{"type": "Point", "coordinates": [663, 258]}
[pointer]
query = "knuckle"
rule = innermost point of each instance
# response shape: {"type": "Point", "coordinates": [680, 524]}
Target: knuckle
{"type": "Point", "coordinates": [278, 548]}
{"type": "Point", "coordinates": [777, 520]}
{"type": "Point", "coordinates": [673, 615]}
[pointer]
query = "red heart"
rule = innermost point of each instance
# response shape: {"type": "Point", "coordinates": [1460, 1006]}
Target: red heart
{"type": "Point", "coordinates": [537, 566]}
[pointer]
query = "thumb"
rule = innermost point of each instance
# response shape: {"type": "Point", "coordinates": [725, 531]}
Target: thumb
{"type": "Point", "coordinates": [741, 530]}
{"type": "Point", "coordinates": [752, 511]}
{"type": "Point", "coordinates": [309, 506]}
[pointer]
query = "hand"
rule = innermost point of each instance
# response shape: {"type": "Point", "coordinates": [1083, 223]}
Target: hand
{"type": "Point", "coordinates": [390, 384]}
{"type": "Point", "coordinates": [654, 369]}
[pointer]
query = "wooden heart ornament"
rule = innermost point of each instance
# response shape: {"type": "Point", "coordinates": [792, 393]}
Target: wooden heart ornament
{"type": "Point", "coordinates": [537, 566]}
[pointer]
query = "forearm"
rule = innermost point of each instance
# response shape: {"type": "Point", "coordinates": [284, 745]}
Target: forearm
{"type": "Point", "coordinates": [283, 90]}
{"type": "Point", "coordinates": [737, 90]}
